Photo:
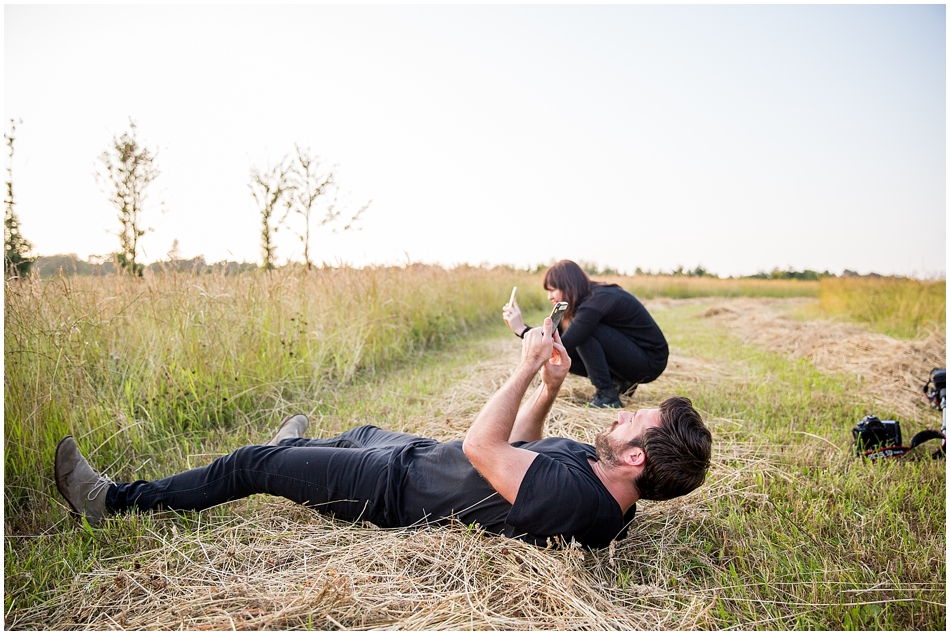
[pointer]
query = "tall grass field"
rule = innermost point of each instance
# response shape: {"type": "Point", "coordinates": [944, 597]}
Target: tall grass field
{"type": "Point", "coordinates": [900, 307]}
{"type": "Point", "coordinates": [165, 373]}
{"type": "Point", "coordinates": [645, 287]}
{"type": "Point", "coordinates": [120, 361]}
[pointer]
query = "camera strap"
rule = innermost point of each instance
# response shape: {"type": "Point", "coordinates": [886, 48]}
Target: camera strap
{"type": "Point", "coordinates": [885, 453]}
{"type": "Point", "coordinates": [900, 450]}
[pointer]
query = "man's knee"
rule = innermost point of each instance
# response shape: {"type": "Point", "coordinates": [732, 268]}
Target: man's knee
{"type": "Point", "coordinates": [244, 457]}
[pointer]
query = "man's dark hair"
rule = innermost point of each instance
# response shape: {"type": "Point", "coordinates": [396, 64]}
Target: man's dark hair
{"type": "Point", "coordinates": [572, 281]}
{"type": "Point", "coordinates": [677, 452]}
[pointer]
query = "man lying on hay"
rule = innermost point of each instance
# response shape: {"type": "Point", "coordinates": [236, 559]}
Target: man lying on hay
{"type": "Point", "coordinates": [503, 476]}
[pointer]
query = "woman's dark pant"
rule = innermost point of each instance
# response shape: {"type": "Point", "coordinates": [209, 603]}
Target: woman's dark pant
{"type": "Point", "coordinates": [347, 475]}
{"type": "Point", "coordinates": [609, 352]}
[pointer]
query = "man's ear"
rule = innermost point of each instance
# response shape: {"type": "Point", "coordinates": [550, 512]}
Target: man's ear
{"type": "Point", "coordinates": [635, 457]}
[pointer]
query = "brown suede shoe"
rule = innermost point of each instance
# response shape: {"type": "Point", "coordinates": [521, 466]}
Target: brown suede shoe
{"type": "Point", "coordinates": [292, 427]}
{"type": "Point", "coordinates": [82, 487]}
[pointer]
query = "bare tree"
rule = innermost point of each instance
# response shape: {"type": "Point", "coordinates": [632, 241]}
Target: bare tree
{"type": "Point", "coordinates": [271, 189]}
{"type": "Point", "coordinates": [16, 248]}
{"type": "Point", "coordinates": [314, 189]}
{"type": "Point", "coordinates": [128, 168]}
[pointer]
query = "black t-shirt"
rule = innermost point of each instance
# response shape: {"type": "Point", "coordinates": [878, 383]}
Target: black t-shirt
{"type": "Point", "coordinates": [560, 495]}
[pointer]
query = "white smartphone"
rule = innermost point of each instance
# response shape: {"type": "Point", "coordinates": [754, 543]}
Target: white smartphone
{"type": "Point", "coordinates": [558, 312]}
{"type": "Point", "coordinates": [511, 300]}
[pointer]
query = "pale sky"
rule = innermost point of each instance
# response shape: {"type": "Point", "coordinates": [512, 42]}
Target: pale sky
{"type": "Point", "coordinates": [740, 138]}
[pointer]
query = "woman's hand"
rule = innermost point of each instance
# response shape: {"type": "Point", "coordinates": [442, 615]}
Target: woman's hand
{"type": "Point", "coordinates": [511, 314]}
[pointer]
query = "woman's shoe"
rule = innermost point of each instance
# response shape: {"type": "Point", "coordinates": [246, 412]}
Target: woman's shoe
{"type": "Point", "coordinates": [625, 386]}
{"type": "Point", "coordinates": [608, 398]}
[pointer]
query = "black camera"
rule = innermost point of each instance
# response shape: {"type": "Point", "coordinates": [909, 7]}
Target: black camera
{"type": "Point", "coordinates": [877, 439]}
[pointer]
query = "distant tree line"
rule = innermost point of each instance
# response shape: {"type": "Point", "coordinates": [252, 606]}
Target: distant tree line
{"type": "Point", "coordinates": [791, 274]}
{"type": "Point", "coordinates": [72, 265]}
{"type": "Point", "coordinates": [699, 271]}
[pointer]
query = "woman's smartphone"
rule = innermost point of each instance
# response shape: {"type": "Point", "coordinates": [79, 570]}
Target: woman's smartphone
{"type": "Point", "coordinates": [511, 300]}
{"type": "Point", "coordinates": [558, 312]}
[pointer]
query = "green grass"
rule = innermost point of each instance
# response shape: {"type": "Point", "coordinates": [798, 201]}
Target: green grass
{"type": "Point", "coordinates": [158, 375]}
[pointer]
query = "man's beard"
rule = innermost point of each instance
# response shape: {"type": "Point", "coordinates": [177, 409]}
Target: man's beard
{"type": "Point", "coordinates": [608, 448]}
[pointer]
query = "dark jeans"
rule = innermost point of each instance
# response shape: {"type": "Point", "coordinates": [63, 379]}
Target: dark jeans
{"type": "Point", "coordinates": [609, 352]}
{"type": "Point", "coordinates": [347, 475]}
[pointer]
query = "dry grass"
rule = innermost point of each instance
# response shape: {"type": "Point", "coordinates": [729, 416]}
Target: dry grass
{"type": "Point", "coordinates": [892, 370]}
{"type": "Point", "coordinates": [275, 565]}
{"type": "Point", "coordinates": [705, 561]}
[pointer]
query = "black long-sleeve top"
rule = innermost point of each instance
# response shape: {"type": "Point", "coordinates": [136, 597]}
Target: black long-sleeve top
{"type": "Point", "coordinates": [614, 307]}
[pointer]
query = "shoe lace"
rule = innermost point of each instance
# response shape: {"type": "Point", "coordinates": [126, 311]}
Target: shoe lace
{"type": "Point", "coordinates": [102, 482]}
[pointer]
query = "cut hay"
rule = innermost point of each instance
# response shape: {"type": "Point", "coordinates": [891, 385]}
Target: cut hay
{"type": "Point", "coordinates": [266, 563]}
{"type": "Point", "coordinates": [892, 371]}
{"type": "Point", "coordinates": [274, 565]}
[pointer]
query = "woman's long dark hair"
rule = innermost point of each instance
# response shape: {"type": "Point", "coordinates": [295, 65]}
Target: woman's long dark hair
{"type": "Point", "coordinates": [573, 282]}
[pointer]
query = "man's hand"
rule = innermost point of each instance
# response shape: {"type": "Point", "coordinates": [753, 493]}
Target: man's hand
{"type": "Point", "coordinates": [542, 350]}
{"type": "Point", "coordinates": [556, 368]}
{"type": "Point", "coordinates": [537, 346]}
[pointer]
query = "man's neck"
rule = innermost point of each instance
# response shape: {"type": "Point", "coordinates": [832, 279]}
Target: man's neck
{"type": "Point", "coordinates": [620, 486]}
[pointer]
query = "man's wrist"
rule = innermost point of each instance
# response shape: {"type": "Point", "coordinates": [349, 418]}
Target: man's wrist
{"type": "Point", "coordinates": [554, 388]}
{"type": "Point", "coordinates": [528, 368]}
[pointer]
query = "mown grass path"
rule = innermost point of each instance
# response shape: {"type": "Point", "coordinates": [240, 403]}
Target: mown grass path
{"type": "Point", "coordinates": [790, 532]}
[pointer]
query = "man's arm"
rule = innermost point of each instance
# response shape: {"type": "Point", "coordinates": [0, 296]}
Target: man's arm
{"type": "Point", "coordinates": [529, 424]}
{"type": "Point", "coordinates": [486, 444]}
